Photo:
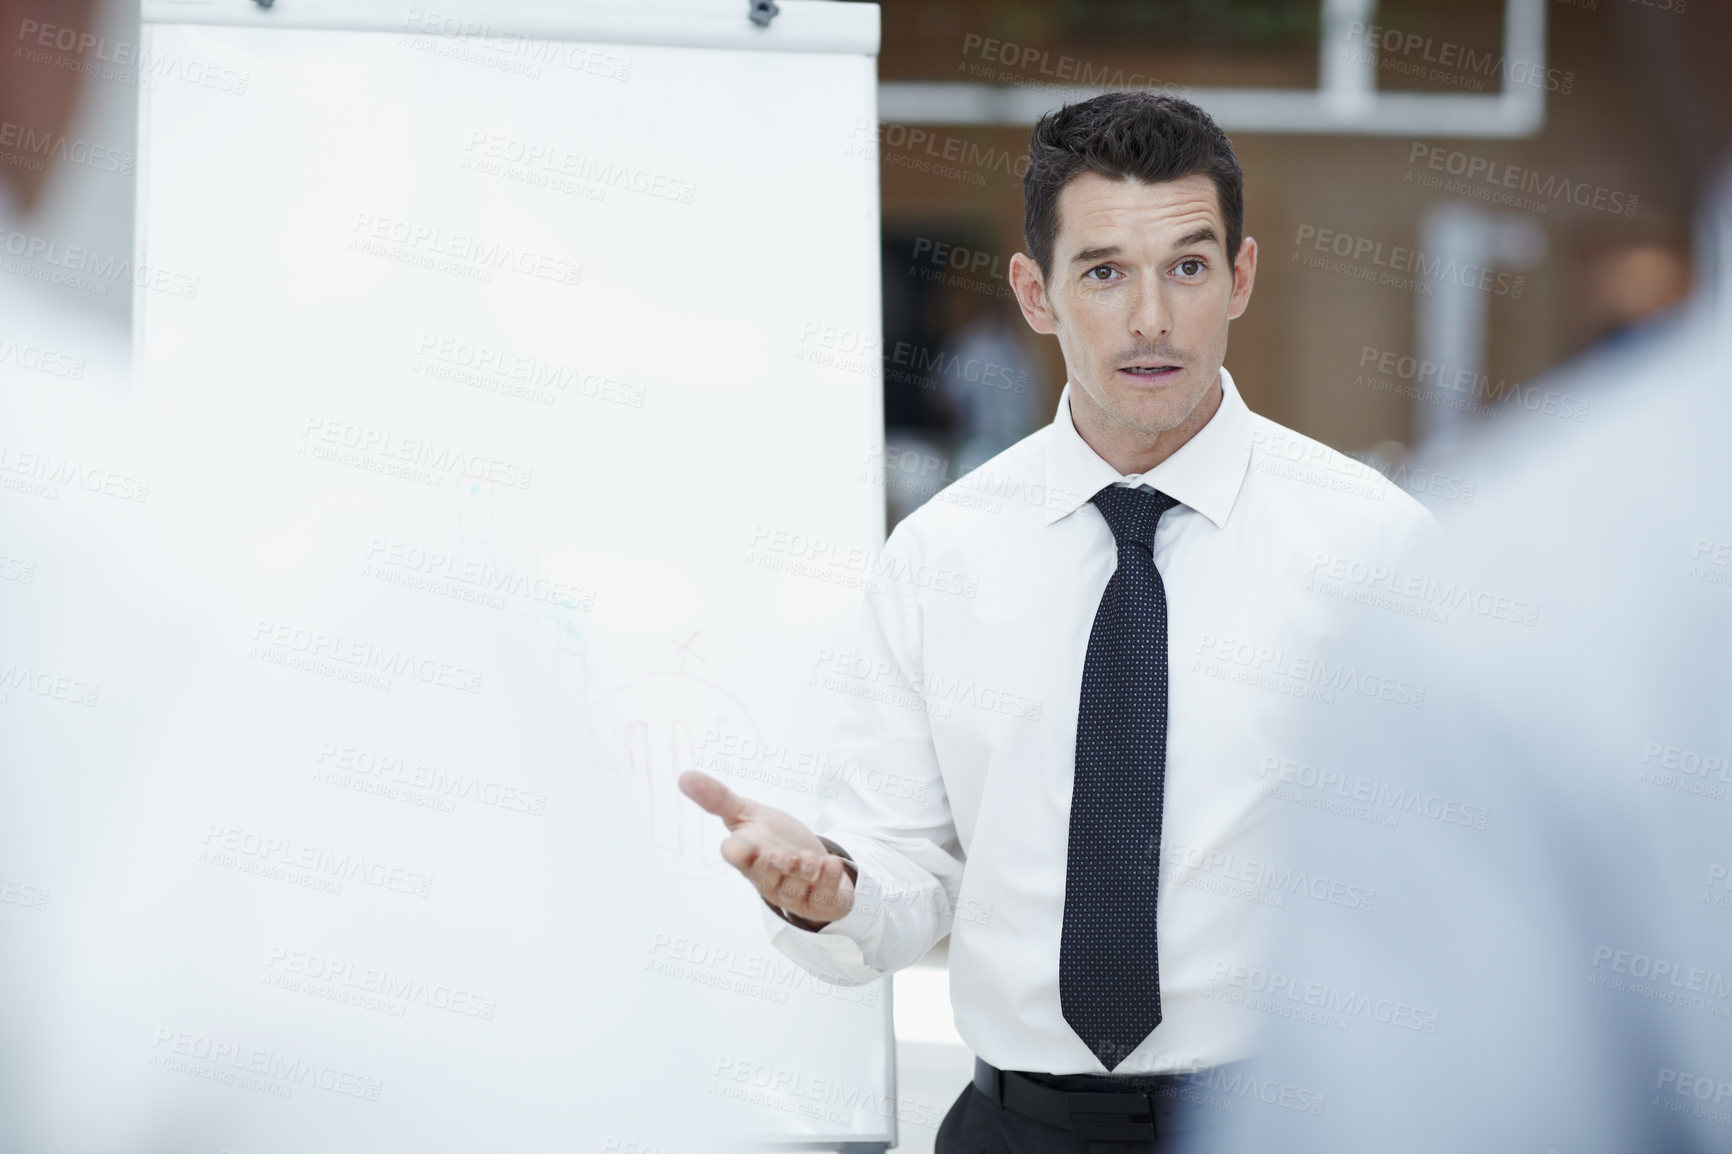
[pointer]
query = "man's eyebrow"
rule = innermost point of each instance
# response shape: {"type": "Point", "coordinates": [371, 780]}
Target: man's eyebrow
{"type": "Point", "coordinates": [1200, 235]}
{"type": "Point", "coordinates": [1088, 254]}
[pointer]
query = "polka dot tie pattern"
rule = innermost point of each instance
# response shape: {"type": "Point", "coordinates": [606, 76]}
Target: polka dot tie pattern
{"type": "Point", "coordinates": [1109, 970]}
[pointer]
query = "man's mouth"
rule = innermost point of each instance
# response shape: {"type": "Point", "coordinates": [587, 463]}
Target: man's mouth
{"type": "Point", "coordinates": [1150, 370]}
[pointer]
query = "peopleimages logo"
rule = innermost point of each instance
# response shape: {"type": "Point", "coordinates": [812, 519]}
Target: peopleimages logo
{"type": "Point", "coordinates": [467, 254]}
{"type": "Point", "coordinates": [339, 979]}
{"type": "Point", "coordinates": [118, 61]}
{"type": "Point", "coordinates": [1427, 376]}
{"type": "Point", "coordinates": [43, 683]}
{"type": "Point", "coordinates": [1330, 1000]}
{"type": "Point", "coordinates": [1374, 794]}
{"type": "Point", "coordinates": [1459, 57]}
{"type": "Point", "coordinates": [496, 46]}
{"type": "Point", "coordinates": [1696, 1086]}
{"type": "Point", "coordinates": [226, 843]}
{"type": "Point", "coordinates": [939, 153]}
{"type": "Point", "coordinates": [1664, 972]}
{"type": "Point", "coordinates": [1061, 69]}
{"type": "Point", "coordinates": [1503, 175]}
{"type": "Point", "coordinates": [32, 147]}
{"type": "Point", "coordinates": [1397, 259]}
{"type": "Point", "coordinates": [254, 1067]}
{"type": "Point", "coordinates": [346, 442]}
{"type": "Point", "coordinates": [1269, 667]}
{"type": "Point", "coordinates": [315, 650]}
{"type": "Point", "coordinates": [923, 365]}
{"type": "Point", "coordinates": [1389, 586]}
{"type": "Point", "coordinates": [88, 270]}
{"type": "Point", "coordinates": [851, 566]}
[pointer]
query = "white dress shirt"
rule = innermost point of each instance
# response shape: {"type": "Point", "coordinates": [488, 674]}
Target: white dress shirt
{"type": "Point", "coordinates": [960, 705]}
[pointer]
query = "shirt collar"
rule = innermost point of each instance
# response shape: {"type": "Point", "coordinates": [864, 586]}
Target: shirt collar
{"type": "Point", "coordinates": [1205, 472]}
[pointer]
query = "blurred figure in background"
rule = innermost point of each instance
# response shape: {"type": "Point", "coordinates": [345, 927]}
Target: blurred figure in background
{"type": "Point", "coordinates": [960, 388]}
{"type": "Point", "coordinates": [1633, 284]}
{"type": "Point", "coordinates": [985, 379]}
{"type": "Point", "coordinates": [1548, 963]}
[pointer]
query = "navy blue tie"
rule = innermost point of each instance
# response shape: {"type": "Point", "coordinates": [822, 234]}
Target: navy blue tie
{"type": "Point", "coordinates": [1109, 976]}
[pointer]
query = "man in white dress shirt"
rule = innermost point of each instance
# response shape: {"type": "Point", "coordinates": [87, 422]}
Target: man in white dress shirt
{"type": "Point", "coordinates": [1136, 262]}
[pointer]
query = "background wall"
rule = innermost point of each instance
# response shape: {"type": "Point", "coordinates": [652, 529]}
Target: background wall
{"type": "Point", "coordinates": [950, 226]}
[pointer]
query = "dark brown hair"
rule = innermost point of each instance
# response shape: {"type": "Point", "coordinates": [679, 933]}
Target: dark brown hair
{"type": "Point", "coordinates": [1147, 136]}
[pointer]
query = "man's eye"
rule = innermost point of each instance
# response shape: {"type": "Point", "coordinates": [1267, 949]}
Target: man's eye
{"type": "Point", "coordinates": [1191, 266]}
{"type": "Point", "coordinates": [1101, 268]}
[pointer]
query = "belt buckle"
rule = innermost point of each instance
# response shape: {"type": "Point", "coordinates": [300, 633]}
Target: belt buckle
{"type": "Point", "coordinates": [1109, 1116]}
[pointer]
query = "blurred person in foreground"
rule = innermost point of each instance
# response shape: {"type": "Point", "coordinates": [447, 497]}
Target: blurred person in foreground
{"type": "Point", "coordinates": [1548, 966]}
{"type": "Point", "coordinates": [76, 569]}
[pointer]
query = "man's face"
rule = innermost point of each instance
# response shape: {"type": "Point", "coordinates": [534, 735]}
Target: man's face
{"type": "Point", "coordinates": [1139, 295]}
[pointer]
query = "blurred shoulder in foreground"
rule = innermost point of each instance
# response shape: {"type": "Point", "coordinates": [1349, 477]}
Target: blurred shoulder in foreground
{"type": "Point", "coordinates": [1548, 966]}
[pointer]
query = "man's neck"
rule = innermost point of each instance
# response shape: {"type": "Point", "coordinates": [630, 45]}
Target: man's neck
{"type": "Point", "coordinates": [1132, 452]}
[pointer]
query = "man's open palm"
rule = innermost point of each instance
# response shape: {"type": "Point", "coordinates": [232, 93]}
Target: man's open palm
{"type": "Point", "coordinates": [776, 852]}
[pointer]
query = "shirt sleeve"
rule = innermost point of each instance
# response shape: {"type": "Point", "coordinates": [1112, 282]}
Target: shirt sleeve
{"type": "Point", "coordinates": [890, 812]}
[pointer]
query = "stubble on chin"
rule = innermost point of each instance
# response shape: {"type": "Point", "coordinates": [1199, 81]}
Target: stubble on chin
{"type": "Point", "coordinates": [1150, 425]}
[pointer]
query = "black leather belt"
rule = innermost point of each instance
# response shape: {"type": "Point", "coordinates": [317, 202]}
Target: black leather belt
{"type": "Point", "coordinates": [1153, 1108]}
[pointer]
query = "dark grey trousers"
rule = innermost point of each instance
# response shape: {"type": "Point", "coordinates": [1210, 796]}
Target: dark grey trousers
{"type": "Point", "coordinates": [976, 1125]}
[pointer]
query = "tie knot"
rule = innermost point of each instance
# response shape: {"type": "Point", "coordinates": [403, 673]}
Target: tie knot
{"type": "Point", "coordinates": [1132, 514]}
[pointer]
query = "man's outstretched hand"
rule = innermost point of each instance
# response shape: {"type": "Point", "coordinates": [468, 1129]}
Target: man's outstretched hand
{"type": "Point", "coordinates": [776, 852]}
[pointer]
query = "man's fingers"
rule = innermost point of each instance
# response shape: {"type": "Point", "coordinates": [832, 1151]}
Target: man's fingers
{"type": "Point", "coordinates": [742, 853]}
{"type": "Point", "coordinates": [822, 899]}
{"type": "Point", "coordinates": [810, 884]}
{"type": "Point", "coordinates": [714, 795]}
{"type": "Point", "coordinates": [829, 897]}
{"type": "Point", "coordinates": [792, 891]}
{"type": "Point", "coordinates": [786, 877]}
{"type": "Point", "coordinates": [764, 866]}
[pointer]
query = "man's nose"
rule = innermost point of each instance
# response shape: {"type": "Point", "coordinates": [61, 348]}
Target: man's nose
{"type": "Point", "coordinates": [1150, 318]}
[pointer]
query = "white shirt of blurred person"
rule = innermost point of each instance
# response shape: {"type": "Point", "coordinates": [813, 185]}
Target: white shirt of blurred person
{"type": "Point", "coordinates": [1550, 965]}
{"type": "Point", "coordinates": [959, 704]}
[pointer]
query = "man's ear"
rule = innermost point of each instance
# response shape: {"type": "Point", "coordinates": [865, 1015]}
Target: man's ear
{"type": "Point", "coordinates": [1030, 288]}
{"type": "Point", "coordinates": [1244, 275]}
